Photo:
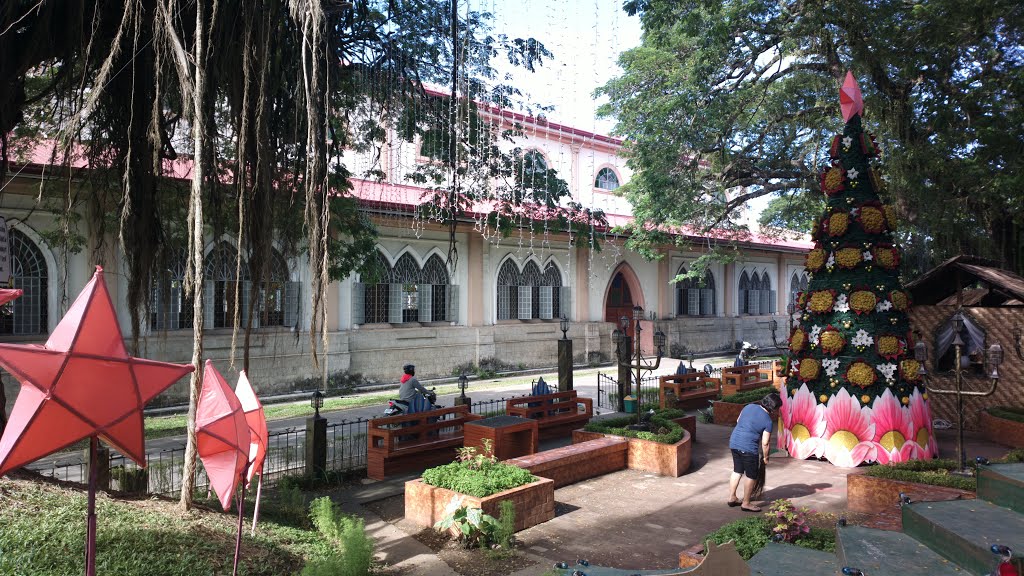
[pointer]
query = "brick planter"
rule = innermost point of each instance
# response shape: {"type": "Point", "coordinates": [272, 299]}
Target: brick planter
{"type": "Point", "coordinates": [726, 413]}
{"type": "Point", "coordinates": [1001, 430]}
{"type": "Point", "coordinates": [874, 495]}
{"type": "Point", "coordinates": [671, 460]}
{"type": "Point", "coordinates": [534, 503]}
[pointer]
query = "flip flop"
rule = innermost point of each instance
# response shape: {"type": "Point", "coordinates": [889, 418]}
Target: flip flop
{"type": "Point", "coordinates": [734, 503]}
{"type": "Point", "coordinates": [745, 509]}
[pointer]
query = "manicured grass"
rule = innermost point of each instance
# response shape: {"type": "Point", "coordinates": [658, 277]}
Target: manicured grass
{"type": "Point", "coordinates": [44, 533]}
{"type": "Point", "coordinates": [933, 472]}
{"type": "Point", "coordinates": [1008, 413]}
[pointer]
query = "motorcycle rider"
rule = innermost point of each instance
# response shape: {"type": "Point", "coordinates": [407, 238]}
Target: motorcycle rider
{"type": "Point", "coordinates": [410, 385]}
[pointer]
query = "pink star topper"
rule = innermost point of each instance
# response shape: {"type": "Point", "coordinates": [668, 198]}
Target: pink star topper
{"type": "Point", "coordinates": [850, 98]}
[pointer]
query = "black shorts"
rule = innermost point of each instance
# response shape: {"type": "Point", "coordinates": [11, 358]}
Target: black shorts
{"type": "Point", "coordinates": [745, 463]}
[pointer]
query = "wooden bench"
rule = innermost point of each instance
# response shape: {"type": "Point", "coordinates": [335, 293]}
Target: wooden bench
{"type": "Point", "coordinates": [427, 439]}
{"type": "Point", "coordinates": [690, 390]}
{"type": "Point", "coordinates": [556, 414]}
{"type": "Point", "coordinates": [570, 464]}
{"type": "Point", "coordinates": [743, 378]}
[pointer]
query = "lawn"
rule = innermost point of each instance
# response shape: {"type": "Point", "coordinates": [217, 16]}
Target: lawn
{"type": "Point", "coordinates": [43, 529]}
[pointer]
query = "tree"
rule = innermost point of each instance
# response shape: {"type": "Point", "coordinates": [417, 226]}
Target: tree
{"type": "Point", "coordinates": [725, 101]}
{"type": "Point", "coordinates": [853, 391]}
{"type": "Point", "coordinates": [243, 93]}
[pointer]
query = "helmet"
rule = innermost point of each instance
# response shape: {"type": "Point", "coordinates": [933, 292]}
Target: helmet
{"type": "Point", "coordinates": [409, 369]}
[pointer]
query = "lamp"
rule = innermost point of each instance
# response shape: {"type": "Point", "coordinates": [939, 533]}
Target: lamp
{"type": "Point", "coordinates": [773, 325]}
{"type": "Point", "coordinates": [994, 356]}
{"type": "Point", "coordinates": [617, 337]}
{"type": "Point", "coordinates": [659, 342]}
{"type": "Point", "coordinates": [317, 402]}
{"type": "Point", "coordinates": [563, 325]}
{"type": "Point", "coordinates": [463, 382]}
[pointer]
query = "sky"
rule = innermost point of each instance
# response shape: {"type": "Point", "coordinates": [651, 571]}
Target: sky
{"type": "Point", "coordinates": [586, 38]}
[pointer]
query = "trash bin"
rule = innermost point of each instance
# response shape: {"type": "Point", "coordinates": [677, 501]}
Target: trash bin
{"type": "Point", "coordinates": [630, 403]}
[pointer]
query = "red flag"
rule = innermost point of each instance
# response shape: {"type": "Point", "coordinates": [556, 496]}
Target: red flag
{"type": "Point", "coordinates": [81, 383]}
{"type": "Point", "coordinates": [256, 421]}
{"type": "Point", "coordinates": [222, 435]}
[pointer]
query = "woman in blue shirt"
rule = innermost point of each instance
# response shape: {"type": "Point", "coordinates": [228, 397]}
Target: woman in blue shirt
{"type": "Point", "coordinates": [753, 427]}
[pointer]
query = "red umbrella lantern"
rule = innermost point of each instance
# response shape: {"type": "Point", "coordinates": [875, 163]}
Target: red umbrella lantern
{"type": "Point", "coordinates": [257, 423]}
{"type": "Point", "coordinates": [222, 435]}
{"type": "Point", "coordinates": [8, 294]}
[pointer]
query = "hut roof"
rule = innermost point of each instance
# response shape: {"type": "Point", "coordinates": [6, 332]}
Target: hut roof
{"type": "Point", "coordinates": [1004, 288]}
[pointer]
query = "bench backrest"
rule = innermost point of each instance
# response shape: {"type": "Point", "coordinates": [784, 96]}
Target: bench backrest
{"type": "Point", "coordinates": [549, 404]}
{"type": "Point", "coordinates": [690, 380]}
{"type": "Point", "coordinates": [745, 371]}
{"type": "Point", "coordinates": [392, 431]}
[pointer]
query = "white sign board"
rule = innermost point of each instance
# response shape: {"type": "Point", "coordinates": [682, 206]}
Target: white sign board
{"type": "Point", "coordinates": [5, 255]}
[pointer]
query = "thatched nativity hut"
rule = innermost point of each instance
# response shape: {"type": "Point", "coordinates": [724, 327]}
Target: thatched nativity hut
{"type": "Point", "coordinates": [992, 300]}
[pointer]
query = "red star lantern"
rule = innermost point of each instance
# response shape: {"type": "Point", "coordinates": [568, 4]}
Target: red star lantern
{"type": "Point", "coordinates": [81, 383]}
{"type": "Point", "coordinates": [222, 435]}
{"type": "Point", "coordinates": [850, 98]}
{"type": "Point", "coordinates": [257, 423]}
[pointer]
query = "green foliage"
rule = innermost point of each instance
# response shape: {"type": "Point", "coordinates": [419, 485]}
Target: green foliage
{"type": "Point", "coordinates": [707, 415]}
{"type": "Point", "coordinates": [665, 430]}
{"type": "Point", "coordinates": [130, 480]}
{"type": "Point", "coordinates": [505, 529]}
{"type": "Point", "coordinates": [477, 474]}
{"type": "Point", "coordinates": [286, 504]}
{"type": "Point", "coordinates": [1013, 456]}
{"type": "Point", "coordinates": [748, 396]}
{"type": "Point", "coordinates": [934, 472]}
{"type": "Point", "coordinates": [474, 527]}
{"type": "Point", "coordinates": [355, 548]}
{"type": "Point", "coordinates": [743, 95]}
{"type": "Point", "coordinates": [488, 368]}
{"type": "Point", "coordinates": [787, 522]}
{"type": "Point", "coordinates": [749, 534]}
{"type": "Point", "coordinates": [1007, 413]}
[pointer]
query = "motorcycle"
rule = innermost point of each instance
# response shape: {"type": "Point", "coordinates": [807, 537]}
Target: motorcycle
{"type": "Point", "coordinates": [399, 407]}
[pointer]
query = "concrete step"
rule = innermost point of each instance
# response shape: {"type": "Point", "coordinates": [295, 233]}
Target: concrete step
{"type": "Point", "coordinates": [964, 530]}
{"type": "Point", "coordinates": [785, 560]}
{"type": "Point", "coordinates": [886, 553]}
{"type": "Point", "coordinates": [1002, 484]}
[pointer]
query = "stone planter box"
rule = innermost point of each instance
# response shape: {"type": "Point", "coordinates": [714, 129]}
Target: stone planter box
{"type": "Point", "coordinates": [1001, 430]}
{"type": "Point", "coordinates": [689, 423]}
{"type": "Point", "coordinates": [874, 495]}
{"type": "Point", "coordinates": [726, 413]}
{"type": "Point", "coordinates": [534, 503]}
{"type": "Point", "coordinates": [671, 460]}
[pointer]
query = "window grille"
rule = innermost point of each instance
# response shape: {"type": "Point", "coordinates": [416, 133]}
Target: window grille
{"type": "Point", "coordinates": [225, 294]}
{"type": "Point", "coordinates": [290, 317]}
{"type": "Point", "coordinates": [28, 313]}
{"type": "Point", "coordinates": [546, 297]}
{"type": "Point", "coordinates": [529, 293]}
{"type": "Point", "coordinates": [745, 288]}
{"type": "Point", "coordinates": [606, 179]}
{"type": "Point", "coordinates": [404, 293]}
{"type": "Point", "coordinates": [695, 297]}
{"type": "Point", "coordinates": [525, 307]}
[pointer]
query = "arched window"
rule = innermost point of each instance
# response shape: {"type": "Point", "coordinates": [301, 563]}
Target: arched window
{"type": "Point", "coordinates": [529, 293]}
{"type": "Point", "coordinates": [696, 297]}
{"type": "Point", "coordinates": [170, 309]}
{"type": "Point", "coordinates": [28, 313]}
{"type": "Point", "coordinates": [405, 293]}
{"type": "Point", "coordinates": [744, 292]}
{"type": "Point", "coordinates": [797, 284]}
{"type": "Point", "coordinates": [225, 293]}
{"type": "Point", "coordinates": [767, 304]}
{"type": "Point", "coordinates": [276, 294]}
{"type": "Point", "coordinates": [606, 179]}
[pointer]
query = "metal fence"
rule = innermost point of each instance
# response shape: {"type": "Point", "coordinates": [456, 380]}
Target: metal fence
{"type": "Point", "coordinates": [286, 454]}
{"type": "Point", "coordinates": [608, 387]}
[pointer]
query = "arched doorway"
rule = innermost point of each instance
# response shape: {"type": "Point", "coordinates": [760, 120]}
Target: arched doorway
{"type": "Point", "coordinates": [623, 293]}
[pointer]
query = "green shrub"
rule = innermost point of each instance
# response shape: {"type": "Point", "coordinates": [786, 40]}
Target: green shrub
{"type": "Point", "coordinates": [1016, 455]}
{"type": "Point", "coordinates": [749, 396]}
{"type": "Point", "coordinates": [477, 474]}
{"type": "Point", "coordinates": [933, 472]}
{"type": "Point", "coordinates": [474, 527]}
{"type": "Point", "coordinates": [748, 534]}
{"type": "Point", "coordinates": [348, 533]}
{"type": "Point", "coordinates": [666, 431]}
{"type": "Point", "coordinates": [1008, 413]}
{"type": "Point", "coordinates": [505, 529]}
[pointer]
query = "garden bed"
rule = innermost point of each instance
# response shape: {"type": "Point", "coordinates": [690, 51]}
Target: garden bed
{"type": "Point", "coordinates": [1003, 425]}
{"type": "Point", "coordinates": [663, 459]}
{"type": "Point", "coordinates": [534, 502]}
{"type": "Point", "coordinates": [878, 489]}
{"type": "Point", "coordinates": [727, 410]}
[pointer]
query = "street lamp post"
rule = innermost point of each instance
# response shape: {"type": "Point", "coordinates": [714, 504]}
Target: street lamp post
{"type": "Point", "coordinates": [564, 357]}
{"type": "Point", "coordinates": [463, 383]}
{"type": "Point", "coordinates": [636, 361]}
{"type": "Point", "coordinates": [994, 358]}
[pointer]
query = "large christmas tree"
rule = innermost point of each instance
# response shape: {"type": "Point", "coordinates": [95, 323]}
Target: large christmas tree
{"type": "Point", "coordinates": [853, 390]}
